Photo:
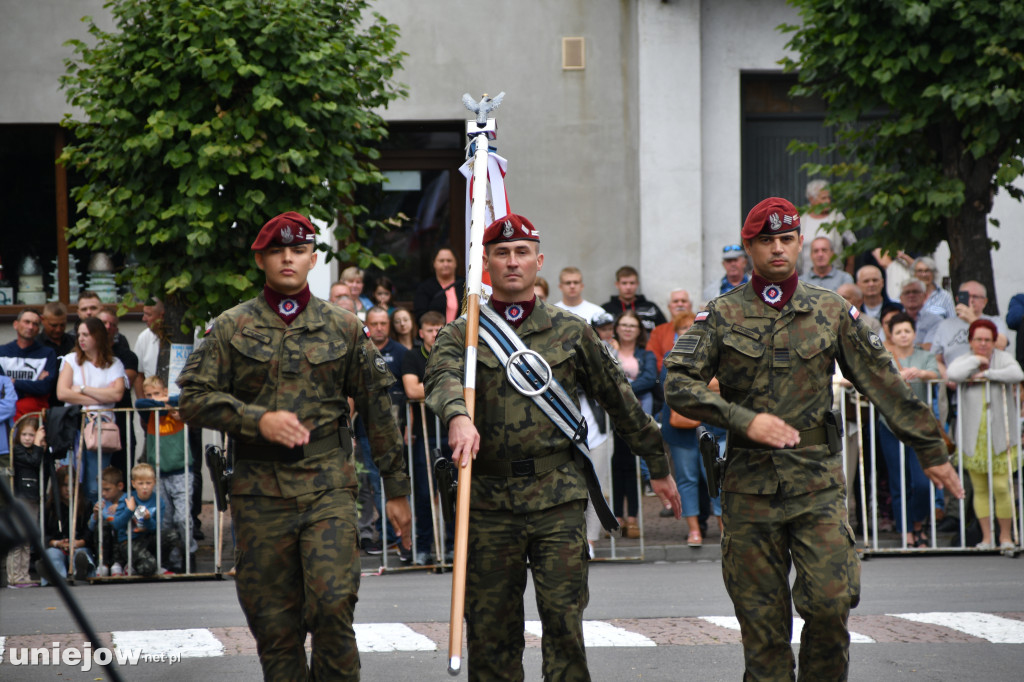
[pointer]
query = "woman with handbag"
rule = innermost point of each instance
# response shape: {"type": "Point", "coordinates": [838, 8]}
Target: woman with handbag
{"type": "Point", "coordinates": [92, 377]}
{"type": "Point", "coordinates": [680, 434]}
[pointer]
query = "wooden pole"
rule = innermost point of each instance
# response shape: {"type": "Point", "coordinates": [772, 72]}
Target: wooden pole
{"type": "Point", "coordinates": [480, 132]}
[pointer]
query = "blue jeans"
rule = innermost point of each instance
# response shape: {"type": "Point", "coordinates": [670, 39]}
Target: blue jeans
{"type": "Point", "coordinates": [89, 473]}
{"type": "Point", "coordinates": [59, 561]}
{"type": "Point", "coordinates": [689, 469]}
{"type": "Point", "coordinates": [918, 496]}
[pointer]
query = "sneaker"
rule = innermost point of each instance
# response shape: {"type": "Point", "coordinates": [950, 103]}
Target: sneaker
{"type": "Point", "coordinates": [404, 555]}
{"type": "Point", "coordinates": [985, 545]}
{"type": "Point", "coordinates": [666, 513]}
{"type": "Point", "coordinates": [648, 490]}
{"type": "Point", "coordinates": [82, 566]}
{"type": "Point", "coordinates": [103, 571]}
{"type": "Point", "coordinates": [117, 569]}
{"type": "Point", "coordinates": [371, 546]}
{"type": "Point", "coordinates": [165, 572]}
{"type": "Point", "coordinates": [425, 559]}
{"type": "Point", "coordinates": [590, 550]}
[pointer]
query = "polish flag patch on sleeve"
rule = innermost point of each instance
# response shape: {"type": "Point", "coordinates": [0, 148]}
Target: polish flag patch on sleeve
{"type": "Point", "coordinates": [701, 316]}
{"type": "Point", "coordinates": [854, 313]}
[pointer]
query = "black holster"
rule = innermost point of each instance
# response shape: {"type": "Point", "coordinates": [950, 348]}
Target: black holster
{"type": "Point", "coordinates": [834, 431]}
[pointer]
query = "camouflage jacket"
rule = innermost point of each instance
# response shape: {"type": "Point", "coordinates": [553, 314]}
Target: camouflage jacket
{"type": "Point", "coordinates": [513, 428]}
{"type": "Point", "coordinates": [251, 363]}
{"type": "Point", "coordinates": [781, 363]}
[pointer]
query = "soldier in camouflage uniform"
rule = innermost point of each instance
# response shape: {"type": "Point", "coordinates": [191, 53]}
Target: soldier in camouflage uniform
{"type": "Point", "coordinates": [275, 373]}
{"type": "Point", "coordinates": [528, 494]}
{"type": "Point", "coordinates": [772, 344]}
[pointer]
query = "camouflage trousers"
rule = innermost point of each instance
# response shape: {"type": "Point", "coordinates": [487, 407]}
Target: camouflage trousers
{"type": "Point", "coordinates": [764, 536]}
{"type": "Point", "coordinates": [297, 571]}
{"type": "Point", "coordinates": [554, 543]}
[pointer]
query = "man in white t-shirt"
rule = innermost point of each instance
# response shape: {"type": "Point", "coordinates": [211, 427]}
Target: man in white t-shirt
{"type": "Point", "coordinates": [570, 281]}
{"type": "Point", "coordinates": [147, 346]}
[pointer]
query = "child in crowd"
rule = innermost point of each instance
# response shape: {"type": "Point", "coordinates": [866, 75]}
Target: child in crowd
{"type": "Point", "coordinates": [137, 514]}
{"type": "Point", "coordinates": [173, 450]}
{"type": "Point", "coordinates": [58, 533]}
{"type": "Point", "coordinates": [29, 444]}
{"type": "Point", "coordinates": [106, 508]}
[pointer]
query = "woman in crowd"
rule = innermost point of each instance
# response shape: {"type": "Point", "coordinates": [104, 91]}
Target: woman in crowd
{"type": "Point", "coordinates": [681, 438]}
{"type": "Point", "coordinates": [404, 329]}
{"type": "Point", "coordinates": [540, 288]}
{"type": "Point", "coordinates": [443, 292]}
{"type": "Point", "coordinates": [383, 293]}
{"type": "Point", "coordinates": [642, 371]}
{"type": "Point", "coordinates": [937, 301]}
{"type": "Point", "coordinates": [92, 377]}
{"type": "Point", "coordinates": [917, 367]}
{"type": "Point", "coordinates": [983, 419]}
{"type": "Point", "coordinates": [57, 532]}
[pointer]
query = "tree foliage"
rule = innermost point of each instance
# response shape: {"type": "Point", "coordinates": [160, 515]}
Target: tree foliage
{"type": "Point", "coordinates": [203, 120]}
{"type": "Point", "coordinates": [928, 101]}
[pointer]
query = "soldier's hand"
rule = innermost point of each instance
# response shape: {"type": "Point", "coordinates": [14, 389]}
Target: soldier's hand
{"type": "Point", "coordinates": [464, 439]}
{"type": "Point", "coordinates": [668, 492]}
{"type": "Point", "coordinates": [770, 430]}
{"type": "Point", "coordinates": [284, 428]}
{"type": "Point", "coordinates": [398, 513]}
{"type": "Point", "coordinates": [945, 478]}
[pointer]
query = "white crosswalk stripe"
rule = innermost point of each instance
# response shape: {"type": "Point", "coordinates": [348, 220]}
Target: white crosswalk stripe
{"type": "Point", "coordinates": [383, 637]}
{"type": "Point", "coordinates": [599, 634]}
{"type": "Point", "coordinates": [193, 643]}
{"type": "Point", "coordinates": [798, 626]}
{"type": "Point", "coordinates": [2, 640]}
{"type": "Point", "coordinates": [994, 628]}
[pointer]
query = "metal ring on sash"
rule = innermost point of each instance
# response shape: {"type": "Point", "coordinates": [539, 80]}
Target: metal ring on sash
{"type": "Point", "coordinates": [515, 378]}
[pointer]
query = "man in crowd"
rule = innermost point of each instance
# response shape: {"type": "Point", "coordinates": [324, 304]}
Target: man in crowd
{"type": "Point", "coordinates": [570, 282]}
{"type": "Point", "coordinates": [912, 298]}
{"type": "Point", "coordinates": [853, 296]}
{"type": "Point", "coordinates": [783, 493]}
{"type": "Point", "coordinates": [627, 281]}
{"type": "Point", "coordinates": [55, 334]}
{"type": "Point", "coordinates": [664, 335]}
{"type": "Point", "coordinates": [147, 345]}
{"type": "Point", "coordinates": [274, 373]}
{"type": "Point", "coordinates": [29, 364]}
{"type": "Point", "coordinates": [734, 261]}
{"type": "Point", "coordinates": [872, 286]}
{"type": "Point", "coordinates": [816, 223]}
{"type": "Point", "coordinates": [949, 340]}
{"type": "Point", "coordinates": [529, 490]}
{"type": "Point", "coordinates": [89, 305]}
{"type": "Point", "coordinates": [414, 367]}
{"type": "Point", "coordinates": [823, 272]}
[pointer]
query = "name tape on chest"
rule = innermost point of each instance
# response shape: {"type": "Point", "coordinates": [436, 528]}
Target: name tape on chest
{"type": "Point", "coordinates": [253, 334]}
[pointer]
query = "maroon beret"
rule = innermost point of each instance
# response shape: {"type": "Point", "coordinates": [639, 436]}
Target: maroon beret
{"type": "Point", "coordinates": [511, 228]}
{"type": "Point", "coordinates": [771, 216]}
{"type": "Point", "coordinates": [287, 229]}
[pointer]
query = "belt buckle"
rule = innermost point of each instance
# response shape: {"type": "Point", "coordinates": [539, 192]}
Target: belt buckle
{"type": "Point", "coordinates": [523, 467]}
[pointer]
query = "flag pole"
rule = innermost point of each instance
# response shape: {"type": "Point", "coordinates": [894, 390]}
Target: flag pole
{"type": "Point", "coordinates": [480, 132]}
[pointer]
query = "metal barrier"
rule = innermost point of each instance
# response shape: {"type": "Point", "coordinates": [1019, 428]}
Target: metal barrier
{"type": "Point", "coordinates": [75, 462]}
{"type": "Point", "coordinates": [872, 543]}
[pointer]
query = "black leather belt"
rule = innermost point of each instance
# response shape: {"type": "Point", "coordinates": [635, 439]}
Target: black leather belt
{"type": "Point", "coordinates": [808, 437]}
{"type": "Point", "coordinates": [322, 439]}
{"type": "Point", "coordinates": [521, 467]}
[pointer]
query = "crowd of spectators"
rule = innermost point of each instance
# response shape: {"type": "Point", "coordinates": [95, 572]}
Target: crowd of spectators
{"type": "Point", "coordinates": [930, 332]}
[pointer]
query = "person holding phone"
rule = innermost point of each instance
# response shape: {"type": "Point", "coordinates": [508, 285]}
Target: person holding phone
{"type": "Point", "coordinates": [949, 339]}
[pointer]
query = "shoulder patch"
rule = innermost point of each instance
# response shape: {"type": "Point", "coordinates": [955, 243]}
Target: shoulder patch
{"type": "Point", "coordinates": [701, 316]}
{"type": "Point", "coordinates": [366, 331]}
{"type": "Point", "coordinates": [380, 365]}
{"type": "Point", "coordinates": [876, 342]}
{"type": "Point", "coordinates": [854, 312]}
{"type": "Point", "coordinates": [253, 334]}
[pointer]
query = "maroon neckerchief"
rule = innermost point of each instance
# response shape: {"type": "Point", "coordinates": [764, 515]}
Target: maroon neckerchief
{"type": "Point", "coordinates": [775, 294]}
{"type": "Point", "coordinates": [286, 307]}
{"type": "Point", "coordinates": [514, 313]}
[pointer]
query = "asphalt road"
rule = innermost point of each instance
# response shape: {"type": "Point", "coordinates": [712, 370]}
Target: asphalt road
{"type": "Point", "coordinates": [677, 608]}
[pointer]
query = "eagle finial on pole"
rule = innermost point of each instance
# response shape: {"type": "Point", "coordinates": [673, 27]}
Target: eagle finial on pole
{"type": "Point", "coordinates": [485, 106]}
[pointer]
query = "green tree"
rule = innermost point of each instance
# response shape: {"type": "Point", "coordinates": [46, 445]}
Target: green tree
{"type": "Point", "coordinates": [203, 120]}
{"type": "Point", "coordinates": [928, 101]}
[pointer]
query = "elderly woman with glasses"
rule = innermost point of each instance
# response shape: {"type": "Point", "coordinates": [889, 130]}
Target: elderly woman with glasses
{"type": "Point", "coordinates": [938, 300]}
